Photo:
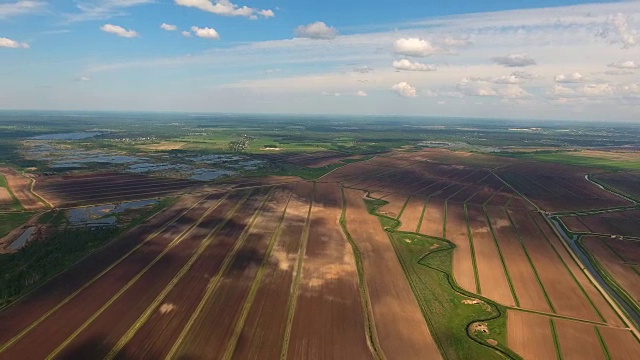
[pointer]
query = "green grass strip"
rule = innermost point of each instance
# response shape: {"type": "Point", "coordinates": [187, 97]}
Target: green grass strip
{"type": "Point", "coordinates": [556, 338]}
{"type": "Point", "coordinates": [473, 250]}
{"type": "Point", "coordinates": [424, 210]}
{"type": "Point", "coordinates": [605, 348]}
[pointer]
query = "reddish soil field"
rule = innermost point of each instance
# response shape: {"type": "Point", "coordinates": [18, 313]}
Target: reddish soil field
{"type": "Point", "coordinates": [395, 205]}
{"type": "Point", "coordinates": [530, 335]}
{"type": "Point", "coordinates": [5, 197]}
{"type": "Point", "coordinates": [615, 265]}
{"type": "Point", "coordinates": [329, 291]}
{"type": "Point", "coordinates": [433, 220]}
{"type": "Point", "coordinates": [625, 182]}
{"type": "Point", "coordinates": [83, 304]}
{"type": "Point", "coordinates": [401, 328]}
{"type": "Point", "coordinates": [412, 214]}
{"type": "Point", "coordinates": [628, 250]}
{"type": "Point", "coordinates": [21, 187]}
{"type": "Point", "coordinates": [157, 335]}
{"type": "Point", "coordinates": [574, 224]}
{"type": "Point", "coordinates": [266, 319]}
{"type": "Point", "coordinates": [566, 296]}
{"type": "Point", "coordinates": [596, 297]}
{"type": "Point", "coordinates": [624, 223]}
{"type": "Point", "coordinates": [557, 187]}
{"type": "Point", "coordinates": [493, 280]}
{"type": "Point", "coordinates": [463, 270]}
{"type": "Point", "coordinates": [578, 341]}
{"type": "Point", "coordinates": [523, 277]}
{"type": "Point", "coordinates": [69, 191]}
{"type": "Point", "coordinates": [621, 343]}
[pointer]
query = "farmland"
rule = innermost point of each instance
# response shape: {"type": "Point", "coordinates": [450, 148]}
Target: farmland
{"type": "Point", "coordinates": [362, 244]}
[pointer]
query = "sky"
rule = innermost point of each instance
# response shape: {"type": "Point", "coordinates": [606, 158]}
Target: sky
{"type": "Point", "coordinates": [519, 59]}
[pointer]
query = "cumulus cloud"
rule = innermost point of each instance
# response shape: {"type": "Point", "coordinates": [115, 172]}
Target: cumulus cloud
{"type": "Point", "coordinates": [513, 92]}
{"type": "Point", "coordinates": [316, 30]}
{"type": "Point", "coordinates": [119, 30]}
{"type": "Point", "coordinates": [335, 94]}
{"type": "Point", "coordinates": [514, 60]}
{"type": "Point", "coordinates": [225, 8]}
{"type": "Point", "coordinates": [83, 78]}
{"type": "Point", "coordinates": [624, 65]}
{"type": "Point", "coordinates": [560, 90]}
{"type": "Point", "coordinates": [21, 8]}
{"type": "Point", "coordinates": [596, 90]}
{"type": "Point", "coordinates": [575, 77]}
{"type": "Point", "coordinates": [474, 87]}
{"type": "Point", "coordinates": [12, 44]}
{"type": "Point", "coordinates": [404, 89]}
{"type": "Point", "coordinates": [415, 47]}
{"type": "Point", "coordinates": [206, 33]}
{"type": "Point", "coordinates": [363, 69]}
{"type": "Point", "coordinates": [619, 72]}
{"type": "Point", "coordinates": [408, 65]}
{"type": "Point", "coordinates": [361, 93]}
{"type": "Point", "coordinates": [185, 33]}
{"type": "Point", "coordinates": [168, 27]}
{"type": "Point", "coordinates": [452, 41]}
{"type": "Point", "coordinates": [628, 36]}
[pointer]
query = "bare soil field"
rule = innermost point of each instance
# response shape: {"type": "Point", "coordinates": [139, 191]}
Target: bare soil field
{"type": "Point", "coordinates": [557, 187]}
{"type": "Point", "coordinates": [329, 291]}
{"type": "Point", "coordinates": [530, 335]}
{"type": "Point", "coordinates": [395, 205]}
{"type": "Point", "coordinates": [401, 328]}
{"type": "Point", "coordinates": [493, 280]}
{"type": "Point", "coordinates": [73, 191]}
{"type": "Point", "coordinates": [574, 224]}
{"type": "Point", "coordinates": [5, 197]}
{"type": "Point", "coordinates": [623, 223]}
{"type": "Point", "coordinates": [567, 298]}
{"type": "Point", "coordinates": [621, 343]}
{"type": "Point", "coordinates": [412, 214]}
{"type": "Point", "coordinates": [615, 265]}
{"type": "Point", "coordinates": [599, 302]}
{"type": "Point", "coordinates": [523, 277]}
{"type": "Point", "coordinates": [463, 268]}
{"type": "Point", "coordinates": [21, 188]}
{"type": "Point", "coordinates": [433, 220]}
{"type": "Point", "coordinates": [626, 182]}
{"type": "Point", "coordinates": [578, 341]}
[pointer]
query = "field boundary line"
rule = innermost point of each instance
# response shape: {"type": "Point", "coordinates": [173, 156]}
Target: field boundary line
{"type": "Point", "coordinates": [404, 207]}
{"type": "Point", "coordinates": [255, 286]}
{"type": "Point", "coordinates": [370, 327]}
{"type": "Point", "coordinates": [424, 209]}
{"type": "Point", "coordinates": [126, 287]}
{"type": "Point", "coordinates": [556, 339]}
{"type": "Point", "coordinates": [610, 189]}
{"type": "Point", "coordinates": [563, 317]}
{"type": "Point", "coordinates": [32, 184]}
{"type": "Point", "coordinates": [504, 263]}
{"type": "Point", "coordinates": [95, 278]}
{"type": "Point", "coordinates": [214, 282]}
{"type": "Point", "coordinates": [473, 250]}
{"type": "Point", "coordinates": [603, 343]}
{"type": "Point", "coordinates": [533, 267]}
{"type": "Point", "coordinates": [183, 271]}
{"type": "Point", "coordinates": [444, 219]}
{"type": "Point", "coordinates": [295, 286]}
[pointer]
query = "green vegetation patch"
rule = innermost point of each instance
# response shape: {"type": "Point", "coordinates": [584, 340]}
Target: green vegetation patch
{"type": "Point", "coordinates": [575, 158]}
{"type": "Point", "coordinates": [10, 221]}
{"type": "Point", "coordinates": [465, 325]}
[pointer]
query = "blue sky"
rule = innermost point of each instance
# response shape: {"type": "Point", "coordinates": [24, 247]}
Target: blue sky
{"type": "Point", "coordinates": [546, 59]}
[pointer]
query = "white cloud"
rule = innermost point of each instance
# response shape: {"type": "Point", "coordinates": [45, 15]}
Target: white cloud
{"type": "Point", "coordinates": [102, 9]}
{"type": "Point", "coordinates": [316, 30]}
{"type": "Point", "coordinates": [404, 89]}
{"type": "Point", "coordinates": [562, 91]}
{"type": "Point", "coordinates": [624, 65]}
{"type": "Point", "coordinates": [408, 65]}
{"type": "Point", "coordinates": [207, 33]}
{"type": "Point", "coordinates": [21, 7]}
{"type": "Point", "coordinates": [361, 93]}
{"type": "Point", "coordinates": [168, 27]}
{"type": "Point", "coordinates": [12, 44]}
{"type": "Point", "coordinates": [575, 77]}
{"type": "Point", "coordinates": [363, 69]}
{"type": "Point", "coordinates": [119, 30]}
{"type": "Point", "coordinates": [185, 33]}
{"type": "Point", "coordinates": [514, 60]}
{"type": "Point", "coordinates": [628, 36]}
{"type": "Point", "coordinates": [336, 94]}
{"type": "Point", "coordinates": [415, 47]}
{"type": "Point", "coordinates": [225, 8]}
{"type": "Point", "coordinates": [619, 72]}
{"type": "Point", "coordinates": [470, 87]}
{"type": "Point", "coordinates": [596, 90]}
{"type": "Point", "coordinates": [513, 92]}
{"type": "Point", "coordinates": [452, 41]}
{"type": "Point", "coordinates": [83, 78]}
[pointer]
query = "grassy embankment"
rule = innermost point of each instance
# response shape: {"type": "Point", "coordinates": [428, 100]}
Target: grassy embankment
{"type": "Point", "coordinates": [15, 205]}
{"type": "Point", "coordinates": [428, 264]}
